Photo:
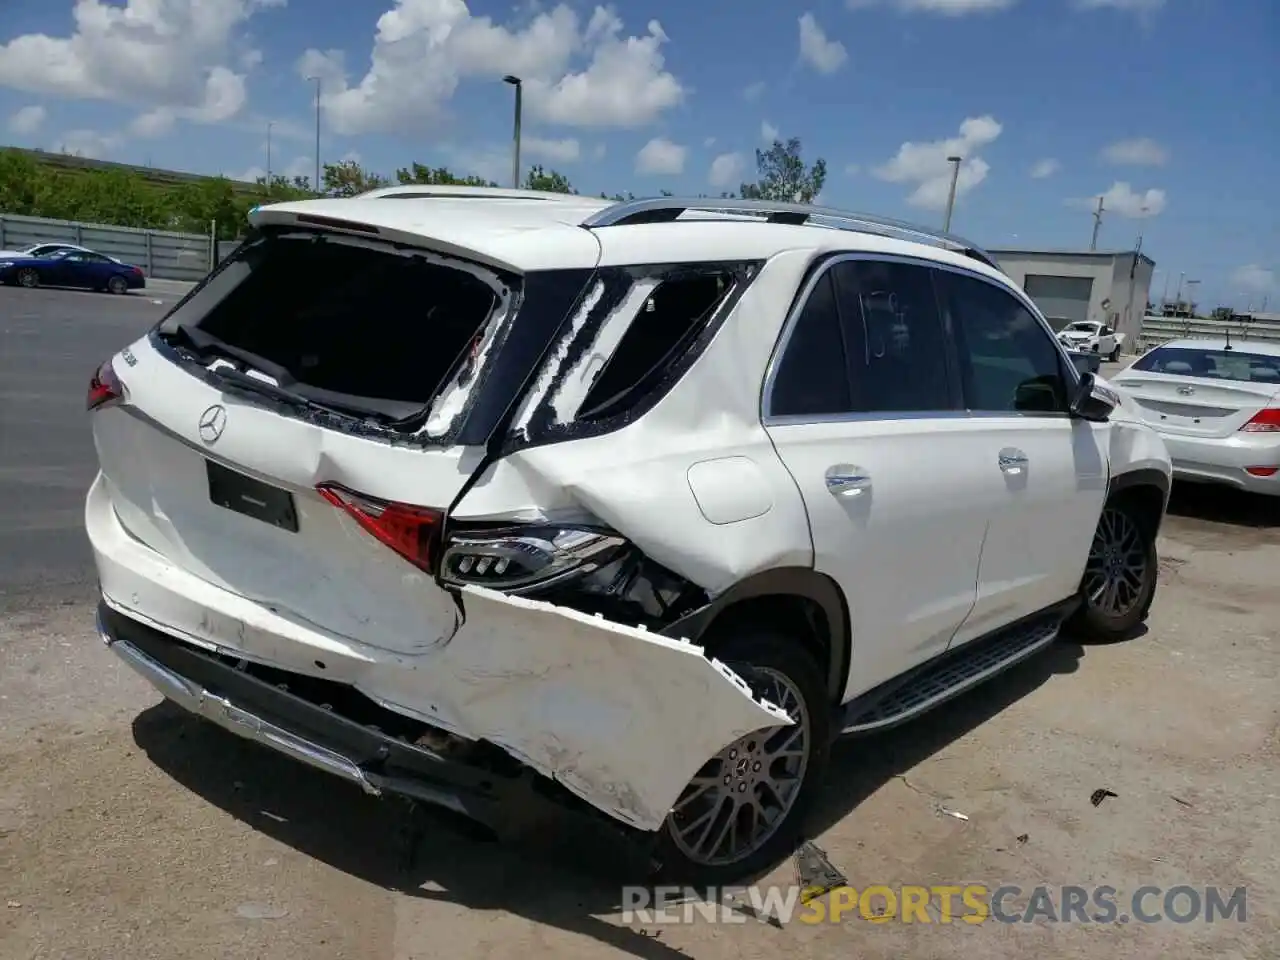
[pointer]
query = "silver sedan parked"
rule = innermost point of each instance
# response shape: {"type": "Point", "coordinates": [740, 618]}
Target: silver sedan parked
{"type": "Point", "coordinates": [1216, 404]}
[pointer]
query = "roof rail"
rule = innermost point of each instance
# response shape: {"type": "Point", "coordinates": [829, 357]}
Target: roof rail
{"type": "Point", "coordinates": [422, 191]}
{"type": "Point", "coordinates": [668, 209]}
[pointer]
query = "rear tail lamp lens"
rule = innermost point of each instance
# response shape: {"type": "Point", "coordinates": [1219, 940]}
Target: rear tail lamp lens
{"type": "Point", "coordinates": [411, 531]}
{"type": "Point", "coordinates": [104, 388]}
{"type": "Point", "coordinates": [1267, 420]}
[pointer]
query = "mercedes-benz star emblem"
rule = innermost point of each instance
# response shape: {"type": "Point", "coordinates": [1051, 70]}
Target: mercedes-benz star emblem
{"type": "Point", "coordinates": [212, 422]}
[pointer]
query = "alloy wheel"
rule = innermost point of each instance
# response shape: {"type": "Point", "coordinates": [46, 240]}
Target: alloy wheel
{"type": "Point", "coordinates": [1117, 569]}
{"type": "Point", "coordinates": [739, 799]}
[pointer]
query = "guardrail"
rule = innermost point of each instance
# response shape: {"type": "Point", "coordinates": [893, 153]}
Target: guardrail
{"type": "Point", "coordinates": [1158, 330]}
{"type": "Point", "coordinates": [163, 254]}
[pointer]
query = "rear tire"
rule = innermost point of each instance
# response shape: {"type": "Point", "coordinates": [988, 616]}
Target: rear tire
{"type": "Point", "coordinates": [719, 832]}
{"type": "Point", "coordinates": [1119, 582]}
{"type": "Point", "coordinates": [117, 285]}
{"type": "Point", "coordinates": [1115, 354]}
{"type": "Point", "coordinates": [28, 278]}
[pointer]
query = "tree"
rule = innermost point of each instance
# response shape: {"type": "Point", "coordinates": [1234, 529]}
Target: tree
{"type": "Point", "coordinates": [347, 178]}
{"type": "Point", "coordinates": [783, 175]}
{"type": "Point", "coordinates": [419, 173]}
{"type": "Point", "coordinates": [552, 181]}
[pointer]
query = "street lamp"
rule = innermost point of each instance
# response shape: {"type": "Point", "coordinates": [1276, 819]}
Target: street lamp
{"type": "Point", "coordinates": [1191, 304]}
{"type": "Point", "coordinates": [316, 184]}
{"type": "Point", "coordinates": [270, 124]}
{"type": "Point", "coordinates": [951, 197]}
{"type": "Point", "coordinates": [515, 158]}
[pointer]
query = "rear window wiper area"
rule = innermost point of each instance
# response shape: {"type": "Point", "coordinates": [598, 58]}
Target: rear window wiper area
{"type": "Point", "coordinates": [205, 349]}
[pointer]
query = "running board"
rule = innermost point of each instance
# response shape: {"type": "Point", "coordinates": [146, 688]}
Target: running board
{"type": "Point", "coordinates": [948, 676]}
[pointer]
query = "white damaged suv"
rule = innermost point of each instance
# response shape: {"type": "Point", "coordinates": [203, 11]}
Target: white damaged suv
{"type": "Point", "coordinates": [639, 505]}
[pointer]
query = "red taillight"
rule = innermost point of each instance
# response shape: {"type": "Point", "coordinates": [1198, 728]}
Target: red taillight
{"type": "Point", "coordinates": [1262, 471]}
{"type": "Point", "coordinates": [1267, 420]}
{"type": "Point", "coordinates": [104, 387]}
{"type": "Point", "coordinates": [413, 532]}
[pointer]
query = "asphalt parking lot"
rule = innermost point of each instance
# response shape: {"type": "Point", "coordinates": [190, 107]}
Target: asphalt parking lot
{"type": "Point", "coordinates": [130, 830]}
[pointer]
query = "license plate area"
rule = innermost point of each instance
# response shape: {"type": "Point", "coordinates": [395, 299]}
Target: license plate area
{"type": "Point", "coordinates": [251, 497]}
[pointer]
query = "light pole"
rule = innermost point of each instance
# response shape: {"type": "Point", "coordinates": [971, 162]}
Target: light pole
{"type": "Point", "coordinates": [1177, 296]}
{"type": "Point", "coordinates": [270, 124]}
{"type": "Point", "coordinates": [1191, 311]}
{"type": "Point", "coordinates": [951, 196]}
{"type": "Point", "coordinates": [316, 183]}
{"type": "Point", "coordinates": [515, 156]}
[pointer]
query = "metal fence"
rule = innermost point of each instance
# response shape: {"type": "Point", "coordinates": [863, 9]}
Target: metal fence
{"type": "Point", "coordinates": [160, 253]}
{"type": "Point", "coordinates": [1157, 330]}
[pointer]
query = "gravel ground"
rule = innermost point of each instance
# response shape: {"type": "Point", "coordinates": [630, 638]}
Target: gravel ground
{"type": "Point", "coordinates": [128, 829]}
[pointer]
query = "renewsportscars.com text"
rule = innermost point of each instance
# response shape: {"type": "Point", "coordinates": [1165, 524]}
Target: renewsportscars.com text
{"type": "Point", "coordinates": [938, 903]}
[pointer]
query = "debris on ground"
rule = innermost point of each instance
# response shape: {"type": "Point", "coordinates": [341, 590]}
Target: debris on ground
{"type": "Point", "coordinates": [1185, 803]}
{"type": "Point", "coordinates": [1101, 794]}
{"type": "Point", "coordinates": [952, 813]}
{"type": "Point", "coordinates": [1023, 837]}
{"type": "Point", "coordinates": [815, 873]}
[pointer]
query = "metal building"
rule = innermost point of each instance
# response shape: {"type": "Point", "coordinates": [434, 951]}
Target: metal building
{"type": "Point", "coordinates": [1110, 287]}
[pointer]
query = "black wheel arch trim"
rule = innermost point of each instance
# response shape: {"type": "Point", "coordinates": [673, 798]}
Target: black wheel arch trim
{"type": "Point", "coordinates": [1142, 477]}
{"type": "Point", "coordinates": [794, 582]}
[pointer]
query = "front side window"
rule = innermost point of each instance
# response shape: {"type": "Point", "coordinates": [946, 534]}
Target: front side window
{"type": "Point", "coordinates": [896, 344]}
{"type": "Point", "coordinates": [1008, 361]}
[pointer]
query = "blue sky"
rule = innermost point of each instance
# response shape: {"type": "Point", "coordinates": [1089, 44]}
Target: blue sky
{"type": "Point", "coordinates": [1168, 108]}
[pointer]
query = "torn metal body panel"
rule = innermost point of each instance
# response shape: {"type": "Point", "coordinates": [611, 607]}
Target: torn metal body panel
{"type": "Point", "coordinates": [621, 717]}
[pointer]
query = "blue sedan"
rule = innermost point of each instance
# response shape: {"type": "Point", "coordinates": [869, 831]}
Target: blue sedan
{"type": "Point", "coordinates": [72, 268]}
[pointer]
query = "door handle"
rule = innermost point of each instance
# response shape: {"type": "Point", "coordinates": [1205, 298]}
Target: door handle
{"type": "Point", "coordinates": [1013, 461]}
{"type": "Point", "coordinates": [847, 481]}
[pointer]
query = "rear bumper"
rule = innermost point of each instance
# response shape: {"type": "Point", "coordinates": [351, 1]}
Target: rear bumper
{"type": "Point", "coordinates": [1224, 461]}
{"type": "Point", "coordinates": [618, 716]}
{"type": "Point", "coordinates": [250, 708]}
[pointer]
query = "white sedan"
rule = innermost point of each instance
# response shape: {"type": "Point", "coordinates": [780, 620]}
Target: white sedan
{"type": "Point", "coordinates": [1090, 336]}
{"type": "Point", "coordinates": [1216, 404]}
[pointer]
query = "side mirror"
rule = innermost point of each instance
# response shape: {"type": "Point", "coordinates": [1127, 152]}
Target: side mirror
{"type": "Point", "coordinates": [1093, 401]}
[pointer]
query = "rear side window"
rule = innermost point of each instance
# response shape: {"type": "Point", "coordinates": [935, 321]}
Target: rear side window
{"type": "Point", "coordinates": [812, 378]}
{"type": "Point", "coordinates": [671, 315]}
{"type": "Point", "coordinates": [1213, 364]}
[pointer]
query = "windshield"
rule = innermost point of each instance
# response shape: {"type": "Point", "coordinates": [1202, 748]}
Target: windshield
{"type": "Point", "coordinates": [1082, 326]}
{"type": "Point", "coordinates": [1212, 364]}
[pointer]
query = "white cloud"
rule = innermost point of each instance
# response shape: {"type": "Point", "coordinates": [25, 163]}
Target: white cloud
{"type": "Point", "coordinates": [661, 156]}
{"type": "Point", "coordinates": [173, 57]}
{"type": "Point", "coordinates": [27, 120]}
{"type": "Point", "coordinates": [1122, 200]}
{"type": "Point", "coordinates": [251, 175]}
{"type": "Point", "coordinates": [925, 164]}
{"type": "Point", "coordinates": [87, 143]}
{"type": "Point", "coordinates": [825, 56]}
{"type": "Point", "coordinates": [1252, 278]}
{"type": "Point", "coordinates": [557, 151]}
{"type": "Point", "coordinates": [947, 8]}
{"type": "Point", "coordinates": [852, 169]}
{"type": "Point", "coordinates": [768, 132]}
{"type": "Point", "coordinates": [1138, 152]}
{"type": "Point", "coordinates": [753, 91]}
{"type": "Point", "coordinates": [726, 170]}
{"type": "Point", "coordinates": [423, 49]}
{"type": "Point", "coordinates": [1045, 168]}
{"type": "Point", "coordinates": [709, 142]}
